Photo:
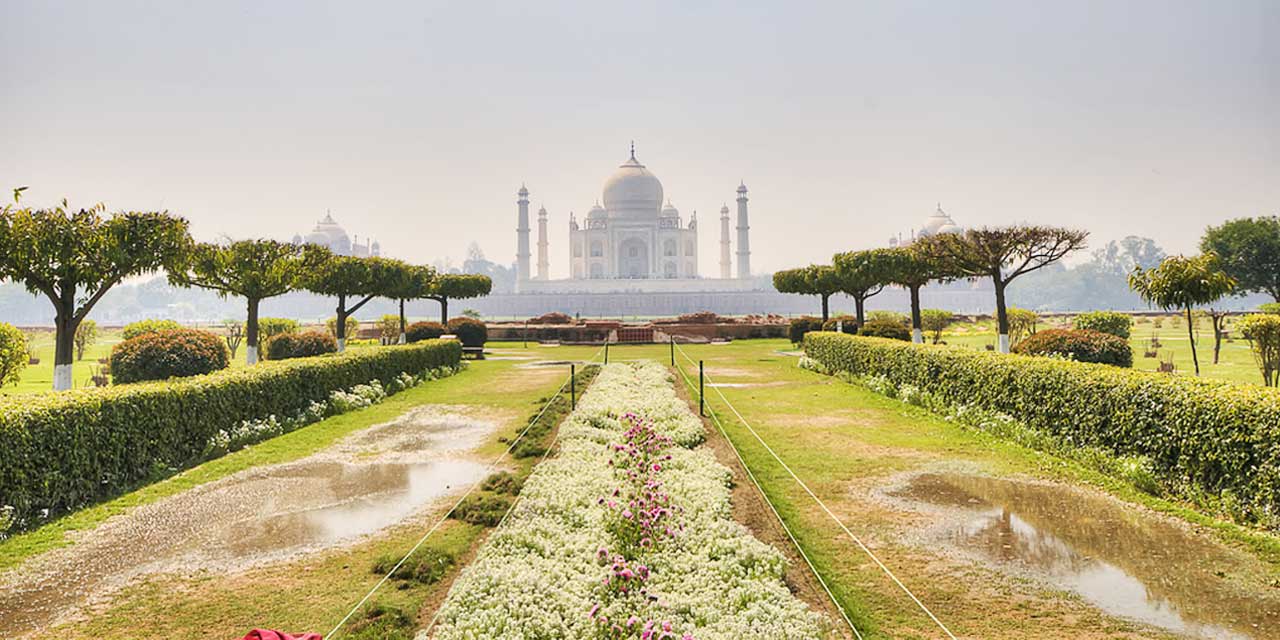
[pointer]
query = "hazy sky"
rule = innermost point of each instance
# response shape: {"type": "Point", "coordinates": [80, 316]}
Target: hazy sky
{"type": "Point", "coordinates": [416, 122]}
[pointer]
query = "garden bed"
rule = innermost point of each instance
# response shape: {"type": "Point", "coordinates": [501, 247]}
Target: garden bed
{"type": "Point", "coordinates": [628, 530]}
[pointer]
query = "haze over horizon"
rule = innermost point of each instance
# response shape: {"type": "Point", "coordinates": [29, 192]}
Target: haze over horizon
{"type": "Point", "coordinates": [416, 123]}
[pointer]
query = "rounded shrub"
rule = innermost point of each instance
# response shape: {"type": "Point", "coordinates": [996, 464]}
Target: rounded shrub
{"type": "Point", "coordinates": [554, 317]}
{"type": "Point", "coordinates": [1112, 322]}
{"type": "Point", "coordinates": [301, 345]}
{"type": "Point", "coordinates": [470, 332]}
{"type": "Point", "coordinates": [168, 354]}
{"type": "Point", "coordinates": [802, 325]}
{"type": "Point", "coordinates": [143, 327]}
{"type": "Point", "coordinates": [13, 354]}
{"type": "Point", "coordinates": [1082, 345]}
{"type": "Point", "coordinates": [419, 331]}
{"type": "Point", "coordinates": [269, 328]}
{"type": "Point", "coordinates": [847, 324]}
{"type": "Point", "coordinates": [885, 328]}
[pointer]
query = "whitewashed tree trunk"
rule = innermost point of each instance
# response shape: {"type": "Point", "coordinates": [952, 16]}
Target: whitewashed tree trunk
{"type": "Point", "coordinates": [251, 355]}
{"type": "Point", "coordinates": [917, 336]}
{"type": "Point", "coordinates": [61, 377]}
{"type": "Point", "coordinates": [1004, 343]}
{"type": "Point", "coordinates": [401, 339]}
{"type": "Point", "coordinates": [342, 345]}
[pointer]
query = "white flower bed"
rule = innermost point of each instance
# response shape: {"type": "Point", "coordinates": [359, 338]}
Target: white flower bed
{"type": "Point", "coordinates": [626, 533]}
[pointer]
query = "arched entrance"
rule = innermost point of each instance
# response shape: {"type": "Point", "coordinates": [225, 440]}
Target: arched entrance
{"type": "Point", "coordinates": [633, 259]}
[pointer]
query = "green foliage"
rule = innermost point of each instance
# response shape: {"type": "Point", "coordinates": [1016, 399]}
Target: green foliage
{"type": "Point", "coordinates": [1022, 324]}
{"type": "Point", "coordinates": [458, 286]}
{"type": "Point", "coordinates": [168, 354]}
{"type": "Point", "coordinates": [63, 451]}
{"type": "Point", "coordinates": [300, 345]}
{"type": "Point", "coordinates": [426, 566]}
{"type": "Point", "coordinates": [86, 336]}
{"type": "Point", "coordinates": [471, 332]}
{"type": "Point", "coordinates": [381, 622]}
{"type": "Point", "coordinates": [13, 355]}
{"type": "Point", "coordinates": [143, 327]}
{"type": "Point", "coordinates": [863, 274]}
{"type": "Point", "coordinates": [802, 325]}
{"type": "Point", "coordinates": [935, 321]}
{"type": "Point", "coordinates": [813, 280]}
{"type": "Point", "coordinates": [846, 323]}
{"type": "Point", "coordinates": [424, 331]}
{"type": "Point", "coordinates": [1082, 345]}
{"type": "Point", "coordinates": [389, 327]}
{"type": "Point", "coordinates": [1269, 307]}
{"type": "Point", "coordinates": [352, 326]}
{"type": "Point", "coordinates": [503, 482]}
{"type": "Point", "coordinates": [484, 509]}
{"type": "Point", "coordinates": [1183, 283]}
{"type": "Point", "coordinates": [1201, 436]}
{"type": "Point", "coordinates": [1250, 252]}
{"type": "Point", "coordinates": [269, 328]}
{"type": "Point", "coordinates": [1112, 322]}
{"type": "Point", "coordinates": [892, 329]}
{"type": "Point", "coordinates": [889, 316]}
{"type": "Point", "coordinates": [1263, 332]}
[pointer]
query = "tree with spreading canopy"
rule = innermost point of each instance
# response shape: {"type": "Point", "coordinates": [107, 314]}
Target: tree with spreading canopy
{"type": "Point", "coordinates": [863, 274]}
{"type": "Point", "coordinates": [1184, 283]}
{"type": "Point", "coordinates": [813, 280]}
{"type": "Point", "coordinates": [1001, 254]}
{"type": "Point", "coordinates": [457, 286]}
{"type": "Point", "coordinates": [412, 283]}
{"type": "Point", "coordinates": [1250, 252]}
{"type": "Point", "coordinates": [74, 258]}
{"type": "Point", "coordinates": [252, 269]}
{"type": "Point", "coordinates": [86, 336]}
{"type": "Point", "coordinates": [912, 269]}
{"type": "Point", "coordinates": [354, 282]}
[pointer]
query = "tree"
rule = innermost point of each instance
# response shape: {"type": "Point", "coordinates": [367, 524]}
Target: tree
{"type": "Point", "coordinates": [74, 258]}
{"type": "Point", "coordinates": [350, 278]}
{"type": "Point", "coordinates": [234, 333]}
{"type": "Point", "coordinates": [411, 283]}
{"type": "Point", "coordinates": [1250, 252]}
{"type": "Point", "coordinates": [1022, 325]}
{"type": "Point", "coordinates": [863, 274]}
{"type": "Point", "coordinates": [457, 286]}
{"type": "Point", "coordinates": [86, 336]}
{"type": "Point", "coordinates": [1183, 283]}
{"type": "Point", "coordinates": [254, 270]}
{"type": "Point", "coordinates": [1002, 254]}
{"type": "Point", "coordinates": [1218, 320]}
{"type": "Point", "coordinates": [935, 321]}
{"type": "Point", "coordinates": [813, 280]}
{"type": "Point", "coordinates": [912, 269]}
{"type": "Point", "coordinates": [14, 353]}
{"type": "Point", "coordinates": [1263, 332]}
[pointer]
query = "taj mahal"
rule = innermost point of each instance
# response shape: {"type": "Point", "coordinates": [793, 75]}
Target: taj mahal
{"type": "Point", "coordinates": [632, 239]}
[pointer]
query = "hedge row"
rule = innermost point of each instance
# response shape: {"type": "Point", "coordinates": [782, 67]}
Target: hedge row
{"type": "Point", "coordinates": [59, 452]}
{"type": "Point", "coordinates": [1202, 436]}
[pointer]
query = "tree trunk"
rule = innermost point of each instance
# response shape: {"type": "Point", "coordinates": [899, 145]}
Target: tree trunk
{"type": "Point", "coordinates": [1219, 323]}
{"type": "Point", "coordinates": [1191, 333]}
{"type": "Point", "coordinates": [859, 305]}
{"type": "Point", "coordinates": [826, 298]}
{"type": "Point", "coordinates": [64, 348]}
{"type": "Point", "coordinates": [402, 325]}
{"type": "Point", "coordinates": [1002, 316]}
{"type": "Point", "coordinates": [444, 310]}
{"type": "Point", "coordinates": [251, 333]}
{"type": "Point", "coordinates": [340, 328]}
{"type": "Point", "coordinates": [917, 332]}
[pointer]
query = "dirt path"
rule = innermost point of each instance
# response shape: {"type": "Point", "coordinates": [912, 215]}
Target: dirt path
{"type": "Point", "coordinates": [371, 480]}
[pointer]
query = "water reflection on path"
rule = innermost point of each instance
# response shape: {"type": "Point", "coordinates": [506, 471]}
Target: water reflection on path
{"type": "Point", "coordinates": [368, 482]}
{"type": "Point", "coordinates": [1125, 561]}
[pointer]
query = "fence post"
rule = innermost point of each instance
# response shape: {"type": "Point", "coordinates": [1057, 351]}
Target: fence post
{"type": "Point", "coordinates": [573, 386]}
{"type": "Point", "coordinates": [526, 334]}
{"type": "Point", "coordinates": [673, 350]}
{"type": "Point", "coordinates": [701, 391]}
{"type": "Point", "coordinates": [606, 351]}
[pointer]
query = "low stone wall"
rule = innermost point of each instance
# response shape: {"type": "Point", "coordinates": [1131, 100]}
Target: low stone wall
{"type": "Point", "coordinates": [598, 332]}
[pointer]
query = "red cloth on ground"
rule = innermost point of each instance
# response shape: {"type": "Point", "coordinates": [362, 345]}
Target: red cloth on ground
{"type": "Point", "coordinates": [267, 634]}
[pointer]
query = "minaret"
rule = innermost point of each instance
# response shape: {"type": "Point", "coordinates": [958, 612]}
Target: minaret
{"type": "Point", "coordinates": [726, 269]}
{"type": "Point", "coordinates": [543, 264]}
{"type": "Point", "coordinates": [744, 244]}
{"type": "Point", "coordinates": [522, 238]}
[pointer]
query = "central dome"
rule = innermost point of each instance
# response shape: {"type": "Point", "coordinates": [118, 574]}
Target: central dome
{"type": "Point", "coordinates": [633, 190]}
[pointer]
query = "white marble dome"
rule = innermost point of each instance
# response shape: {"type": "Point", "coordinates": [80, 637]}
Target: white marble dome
{"type": "Point", "coordinates": [632, 190]}
{"type": "Point", "coordinates": [939, 222]}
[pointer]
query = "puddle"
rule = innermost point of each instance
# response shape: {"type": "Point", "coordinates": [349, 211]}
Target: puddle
{"type": "Point", "coordinates": [1125, 561]}
{"type": "Point", "coordinates": [370, 481]}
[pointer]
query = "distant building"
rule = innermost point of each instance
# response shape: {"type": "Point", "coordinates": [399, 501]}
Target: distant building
{"type": "Point", "coordinates": [939, 222]}
{"type": "Point", "coordinates": [331, 235]}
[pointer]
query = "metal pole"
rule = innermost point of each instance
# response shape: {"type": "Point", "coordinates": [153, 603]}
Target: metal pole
{"type": "Point", "coordinates": [606, 351]}
{"type": "Point", "coordinates": [673, 350]}
{"type": "Point", "coordinates": [573, 386]}
{"type": "Point", "coordinates": [526, 334]}
{"type": "Point", "coordinates": [701, 391]}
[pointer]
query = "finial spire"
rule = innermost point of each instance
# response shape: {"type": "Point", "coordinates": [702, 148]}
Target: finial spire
{"type": "Point", "coordinates": [633, 149]}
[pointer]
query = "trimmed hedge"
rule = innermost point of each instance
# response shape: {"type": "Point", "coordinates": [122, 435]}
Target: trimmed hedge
{"type": "Point", "coordinates": [471, 332]}
{"type": "Point", "coordinates": [847, 324]}
{"type": "Point", "coordinates": [300, 345]}
{"type": "Point", "coordinates": [62, 451]}
{"type": "Point", "coordinates": [1112, 322]}
{"type": "Point", "coordinates": [143, 327]}
{"type": "Point", "coordinates": [802, 325]}
{"type": "Point", "coordinates": [1081, 345]}
{"type": "Point", "coordinates": [419, 331]}
{"type": "Point", "coordinates": [1202, 436]}
{"type": "Point", "coordinates": [892, 329]}
{"type": "Point", "coordinates": [168, 354]}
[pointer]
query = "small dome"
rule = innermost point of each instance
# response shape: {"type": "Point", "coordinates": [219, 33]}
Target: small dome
{"type": "Point", "coordinates": [724, 210]}
{"type": "Point", "coordinates": [670, 211]}
{"type": "Point", "coordinates": [633, 190]}
{"type": "Point", "coordinates": [939, 222]}
{"type": "Point", "coordinates": [542, 212]}
{"type": "Point", "coordinates": [597, 211]}
{"type": "Point", "coordinates": [523, 191]}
